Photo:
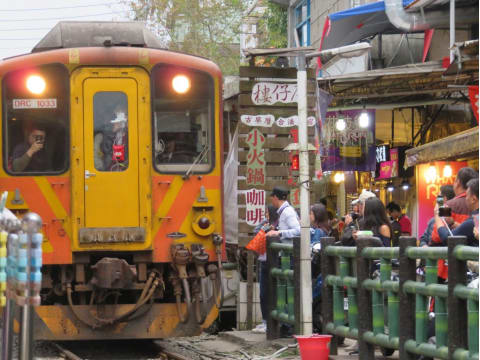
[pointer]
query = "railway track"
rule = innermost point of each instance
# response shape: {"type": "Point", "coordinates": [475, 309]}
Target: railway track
{"type": "Point", "coordinates": [140, 350]}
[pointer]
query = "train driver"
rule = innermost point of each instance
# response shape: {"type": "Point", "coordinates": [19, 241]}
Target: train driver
{"type": "Point", "coordinates": [30, 155]}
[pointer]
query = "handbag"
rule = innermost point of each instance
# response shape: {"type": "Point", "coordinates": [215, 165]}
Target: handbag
{"type": "Point", "coordinates": [258, 243]}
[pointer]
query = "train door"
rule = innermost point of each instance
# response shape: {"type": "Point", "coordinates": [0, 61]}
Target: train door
{"type": "Point", "coordinates": [111, 153]}
{"type": "Point", "coordinates": [111, 158]}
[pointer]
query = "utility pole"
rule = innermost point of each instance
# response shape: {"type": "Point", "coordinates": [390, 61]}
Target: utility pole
{"type": "Point", "coordinates": [304, 180]}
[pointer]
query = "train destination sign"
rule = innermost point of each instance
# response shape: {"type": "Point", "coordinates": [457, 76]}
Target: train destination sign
{"type": "Point", "coordinates": [34, 103]}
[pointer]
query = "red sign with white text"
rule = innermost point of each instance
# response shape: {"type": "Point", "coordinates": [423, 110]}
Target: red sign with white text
{"type": "Point", "coordinates": [429, 182]}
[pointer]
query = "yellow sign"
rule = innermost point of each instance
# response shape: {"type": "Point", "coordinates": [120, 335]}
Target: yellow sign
{"type": "Point", "coordinates": [351, 151]}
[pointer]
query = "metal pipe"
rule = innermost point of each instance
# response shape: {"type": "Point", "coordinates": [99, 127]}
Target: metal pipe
{"type": "Point", "coordinates": [393, 127]}
{"type": "Point", "coordinates": [26, 333]}
{"type": "Point", "coordinates": [452, 30]}
{"type": "Point", "coordinates": [7, 334]}
{"type": "Point", "coordinates": [305, 258]}
{"type": "Point", "coordinates": [407, 104]}
{"type": "Point", "coordinates": [416, 21]}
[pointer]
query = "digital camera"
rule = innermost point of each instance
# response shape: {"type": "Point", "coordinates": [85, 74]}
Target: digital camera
{"type": "Point", "coordinates": [443, 210]}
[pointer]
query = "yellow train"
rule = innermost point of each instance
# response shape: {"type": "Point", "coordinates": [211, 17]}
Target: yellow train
{"type": "Point", "coordinates": [117, 145]}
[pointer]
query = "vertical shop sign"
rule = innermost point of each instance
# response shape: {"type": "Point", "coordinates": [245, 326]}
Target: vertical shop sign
{"type": "Point", "coordinates": [255, 158]}
{"type": "Point", "coordinates": [255, 202]}
{"type": "Point", "coordinates": [473, 94]}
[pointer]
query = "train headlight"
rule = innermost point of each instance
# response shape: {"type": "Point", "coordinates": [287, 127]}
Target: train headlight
{"type": "Point", "coordinates": [36, 84]}
{"type": "Point", "coordinates": [203, 224]}
{"type": "Point", "coordinates": [181, 84]}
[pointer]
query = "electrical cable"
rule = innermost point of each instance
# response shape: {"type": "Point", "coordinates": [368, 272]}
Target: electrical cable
{"type": "Point", "coordinates": [68, 17]}
{"type": "Point", "coordinates": [61, 7]}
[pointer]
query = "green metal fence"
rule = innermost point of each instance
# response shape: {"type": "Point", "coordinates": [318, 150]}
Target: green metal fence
{"type": "Point", "coordinates": [283, 286]}
{"type": "Point", "coordinates": [378, 306]}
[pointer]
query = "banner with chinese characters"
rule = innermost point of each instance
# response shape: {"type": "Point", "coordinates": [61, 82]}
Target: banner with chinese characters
{"type": "Point", "coordinates": [255, 206]}
{"type": "Point", "coordinates": [255, 158]}
{"type": "Point", "coordinates": [429, 180]}
{"type": "Point", "coordinates": [264, 93]}
{"type": "Point", "coordinates": [348, 146]}
{"type": "Point", "coordinates": [269, 120]}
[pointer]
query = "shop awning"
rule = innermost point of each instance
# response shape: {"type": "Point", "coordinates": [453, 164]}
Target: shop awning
{"type": "Point", "coordinates": [402, 86]}
{"type": "Point", "coordinates": [460, 146]}
{"type": "Point", "coordinates": [351, 25]}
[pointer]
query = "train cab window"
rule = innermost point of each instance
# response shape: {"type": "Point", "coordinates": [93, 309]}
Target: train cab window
{"type": "Point", "coordinates": [110, 116]}
{"type": "Point", "coordinates": [35, 109]}
{"type": "Point", "coordinates": [183, 119]}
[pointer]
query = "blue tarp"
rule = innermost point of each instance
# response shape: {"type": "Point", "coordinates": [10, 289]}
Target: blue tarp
{"type": "Point", "coordinates": [364, 9]}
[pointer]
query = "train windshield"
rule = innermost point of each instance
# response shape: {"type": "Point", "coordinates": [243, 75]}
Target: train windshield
{"type": "Point", "coordinates": [35, 120]}
{"type": "Point", "coordinates": [183, 119]}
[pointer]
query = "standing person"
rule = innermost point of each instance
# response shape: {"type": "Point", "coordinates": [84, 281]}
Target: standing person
{"type": "Point", "coordinates": [446, 191]}
{"type": "Point", "coordinates": [460, 210]}
{"type": "Point", "coordinates": [267, 224]}
{"type": "Point", "coordinates": [111, 146]}
{"type": "Point", "coordinates": [395, 212]}
{"type": "Point", "coordinates": [375, 219]}
{"type": "Point", "coordinates": [319, 223]}
{"type": "Point", "coordinates": [30, 155]}
{"type": "Point", "coordinates": [288, 224]}
{"type": "Point", "coordinates": [354, 221]}
{"type": "Point", "coordinates": [466, 228]}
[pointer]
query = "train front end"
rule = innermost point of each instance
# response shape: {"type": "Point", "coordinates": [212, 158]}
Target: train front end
{"type": "Point", "coordinates": [119, 150]}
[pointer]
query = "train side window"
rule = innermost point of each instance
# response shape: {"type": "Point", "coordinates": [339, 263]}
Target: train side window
{"type": "Point", "coordinates": [183, 118]}
{"type": "Point", "coordinates": [110, 146]}
{"type": "Point", "coordinates": [35, 105]}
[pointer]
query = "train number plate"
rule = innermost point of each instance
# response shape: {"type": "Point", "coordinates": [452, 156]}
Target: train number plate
{"type": "Point", "coordinates": [111, 235]}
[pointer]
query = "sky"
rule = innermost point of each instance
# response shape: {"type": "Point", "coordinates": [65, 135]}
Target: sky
{"type": "Point", "coordinates": [23, 23]}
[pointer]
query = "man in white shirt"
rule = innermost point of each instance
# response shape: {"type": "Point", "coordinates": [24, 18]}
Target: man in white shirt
{"type": "Point", "coordinates": [288, 225]}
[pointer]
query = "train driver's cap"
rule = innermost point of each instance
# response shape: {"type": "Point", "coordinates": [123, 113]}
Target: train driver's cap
{"type": "Point", "coordinates": [119, 118]}
{"type": "Point", "coordinates": [280, 192]}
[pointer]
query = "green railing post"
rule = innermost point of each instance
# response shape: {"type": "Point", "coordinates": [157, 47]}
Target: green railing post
{"type": "Point", "coordinates": [406, 310]}
{"type": "Point", "coordinates": [472, 326]}
{"type": "Point", "coordinates": [457, 307]}
{"type": "Point", "coordinates": [273, 328]}
{"type": "Point", "coordinates": [328, 267]}
{"type": "Point", "coordinates": [338, 295]}
{"type": "Point", "coordinates": [366, 350]}
{"type": "Point", "coordinates": [352, 296]}
{"type": "Point", "coordinates": [297, 282]}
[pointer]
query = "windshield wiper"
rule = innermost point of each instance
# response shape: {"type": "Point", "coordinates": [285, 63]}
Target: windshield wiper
{"type": "Point", "coordinates": [196, 161]}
